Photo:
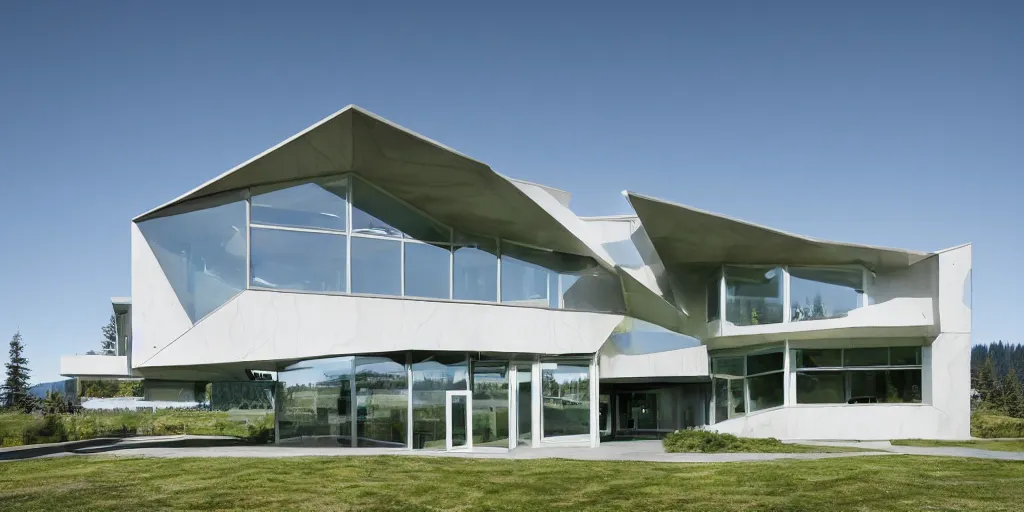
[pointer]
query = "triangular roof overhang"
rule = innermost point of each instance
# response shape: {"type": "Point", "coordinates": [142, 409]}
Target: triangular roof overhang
{"type": "Point", "coordinates": [449, 186]}
{"type": "Point", "coordinates": [686, 237]}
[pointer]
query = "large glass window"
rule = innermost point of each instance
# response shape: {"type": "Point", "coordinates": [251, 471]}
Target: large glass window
{"type": "Point", "coordinates": [431, 377]}
{"type": "Point", "coordinates": [475, 269]}
{"type": "Point", "coordinates": [202, 254]}
{"type": "Point", "coordinates": [859, 375]}
{"type": "Point", "coordinates": [490, 404]}
{"type": "Point", "coordinates": [753, 295]}
{"type": "Point", "coordinates": [314, 402]}
{"type": "Point", "coordinates": [376, 266]}
{"type": "Point", "coordinates": [427, 270]}
{"type": "Point", "coordinates": [524, 280]}
{"type": "Point", "coordinates": [297, 260]}
{"type": "Point", "coordinates": [748, 383]}
{"type": "Point", "coordinates": [566, 396]}
{"type": "Point", "coordinates": [825, 292]}
{"type": "Point", "coordinates": [320, 205]}
{"type": "Point", "coordinates": [376, 213]}
{"type": "Point", "coordinates": [382, 402]}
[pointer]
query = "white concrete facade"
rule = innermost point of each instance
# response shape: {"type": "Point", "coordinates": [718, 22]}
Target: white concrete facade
{"type": "Point", "coordinates": [648, 338]}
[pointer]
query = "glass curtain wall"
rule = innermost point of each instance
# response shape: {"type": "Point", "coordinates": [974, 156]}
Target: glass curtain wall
{"type": "Point", "coordinates": [314, 402]}
{"type": "Point", "coordinates": [432, 376]}
{"type": "Point", "coordinates": [753, 295]}
{"type": "Point", "coordinates": [490, 403]}
{"type": "Point", "coordinates": [858, 375]}
{"type": "Point", "coordinates": [524, 409]}
{"type": "Point", "coordinates": [817, 293]}
{"type": "Point", "coordinates": [382, 401]}
{"type": "Point", "coordinates": [565, 388]}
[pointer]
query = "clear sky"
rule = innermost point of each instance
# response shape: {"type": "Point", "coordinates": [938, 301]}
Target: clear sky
{"type": "Point", "coordinates": [878, 122]}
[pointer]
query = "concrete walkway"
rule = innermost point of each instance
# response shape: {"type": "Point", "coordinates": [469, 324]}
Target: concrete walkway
{"type": "Point", "coordinates": [646, 451]}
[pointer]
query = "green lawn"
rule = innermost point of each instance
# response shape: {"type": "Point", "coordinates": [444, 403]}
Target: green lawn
{"type": "Point", "coordinates": [1013, 445]}
{"type": "Point", "coordinates": [888, 482]}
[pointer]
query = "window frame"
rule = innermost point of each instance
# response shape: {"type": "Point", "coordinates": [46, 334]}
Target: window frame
{"type": "Point", "coordinates": [848, 371]}
{"type": "Point", "coordinates": [744, 355]}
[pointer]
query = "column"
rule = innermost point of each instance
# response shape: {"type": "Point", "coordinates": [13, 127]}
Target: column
{"type": "Point", "coordinates": [537, 406]}
{"type": "Point", "coordinates": [595, 404]}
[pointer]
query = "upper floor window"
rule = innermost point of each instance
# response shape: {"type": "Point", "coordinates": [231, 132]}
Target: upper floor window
{"type": "Point", "coordinates": [753, 295]}
{"type": "Point", "coordinates": [818, 293]}
{"type": "Point", "coordinates": [317, 205]}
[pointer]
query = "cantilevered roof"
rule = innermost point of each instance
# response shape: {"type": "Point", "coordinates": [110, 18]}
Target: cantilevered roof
{"type": "Point", "coordinates": [449, 186]}
{"type": "Point", "coordinates": [685, 236]}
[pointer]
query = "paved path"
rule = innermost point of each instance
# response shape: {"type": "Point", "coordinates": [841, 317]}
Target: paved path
{"type": "Point", "coordinates": [649, 451]}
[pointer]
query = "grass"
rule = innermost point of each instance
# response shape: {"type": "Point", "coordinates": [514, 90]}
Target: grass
{"type": "Point", "coordinates": [704, 441]}
{"type": "Point", "coordinates": [893, 482]}
{"type": "Point", "coordinates": [1002, 445]}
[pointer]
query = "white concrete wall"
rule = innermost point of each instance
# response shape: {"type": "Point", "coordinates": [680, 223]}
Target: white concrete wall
{"type": "Point", "coordinates": [267, 326]}
{"type": "Point", "coordinates": [848, 422]}
{"type": "Point", "coordinates": [686, 362]}
{"type": "Point", "coordinates": [157, 316]}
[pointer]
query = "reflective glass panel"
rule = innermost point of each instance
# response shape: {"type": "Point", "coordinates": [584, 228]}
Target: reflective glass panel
{"type": "Point", "coordinates": [820, 388]}
{"type": "Point", "coordinates": [766, 391]}
{"type": "Point", "coordinates": [905, 356]}
{"type": "Point", "coordinates": [593, 288]}
{"type": "Point", "coordinates": [866, 356]}
{"type": "Point", "coordinates": [431, 377]}
{"type": "Point", "coordinates": [310, 205]}
{"type": "Point", "coordinates": [315, 403]}
{"type": "Point", "coordinates": [753, 295]}
{"type": "Point", "coordinates": [732, 366]}
{"type": "Point", "coordinates": [476, 269]}
{"type": "Point", "coordinates": [761, 363]}
{"type": "Point", "coordinates": [382, 402]}
{"type": "Point", "coordinates": [903, 386]}
{"type": "Point", "coordinates": [721, 400]}
{"type": "Point", "coordinates": [737, 403]}
{"type": "Point", "coordinates": [377, 213]}
{"type": "Point", "coordinates": [820, 293]}
{"type": "Point", "coordinates": [523, 401]}
{"type": "Point", "coordinates": [202, 254]}
{"type": "Point", "coordinates": [376, 266]}
{"type": "Point", "coordinates": [818, 358]}
{"type": "Point", "coordinates": [426, 270]}
{"type": "Point", "coordinates": [524, 281]}
{"type": "Point", "coordinates": [714, 297]}
{"type": "Point", "coordinates": [490, 404]}
{"type": "Point", "coordinates": [297, 260]}
{"type": "Point", "coordinates": [566, 393]}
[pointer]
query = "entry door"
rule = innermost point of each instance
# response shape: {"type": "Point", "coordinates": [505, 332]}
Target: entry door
{"type": "Point", "coordinates": [458, 420]}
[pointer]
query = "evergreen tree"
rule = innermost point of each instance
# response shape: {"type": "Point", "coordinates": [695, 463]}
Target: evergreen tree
{"type": "Point", "coordinates": [985, 383]}
{"type": "Point", "coordinates": [1013, 397]}
{"type": "Point", "coordinates": [15, 391]}
{"type": "Point", "coordinates": [109, 344]}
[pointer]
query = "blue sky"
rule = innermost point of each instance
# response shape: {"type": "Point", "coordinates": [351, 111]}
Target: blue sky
{"type": "Point", "coordinates": [888, 123]}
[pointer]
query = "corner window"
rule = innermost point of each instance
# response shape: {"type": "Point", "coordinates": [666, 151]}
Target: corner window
{"type": "Point", "coordinates": [748, 383]}
{"type": "Point", "coordinates": [753, 295]}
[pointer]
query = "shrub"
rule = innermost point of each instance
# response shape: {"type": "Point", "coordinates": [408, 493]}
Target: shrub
{"type": "Point", "coordinates": [988, 425]}
{"type": "Point", "coordinates": [706, 441]}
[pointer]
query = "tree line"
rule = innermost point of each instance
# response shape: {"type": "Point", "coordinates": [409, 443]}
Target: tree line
{"type": "Point", "coordinates": [997, 370]}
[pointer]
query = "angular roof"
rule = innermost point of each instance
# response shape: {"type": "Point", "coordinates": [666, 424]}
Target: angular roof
{"type": "Point", "coordinates": [685, 236]}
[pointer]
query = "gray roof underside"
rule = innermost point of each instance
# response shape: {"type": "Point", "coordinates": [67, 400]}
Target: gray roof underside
{"type": "Point", "coordinates": [687, 237]}
{"type": "Point", "coordinates": [453, 188]}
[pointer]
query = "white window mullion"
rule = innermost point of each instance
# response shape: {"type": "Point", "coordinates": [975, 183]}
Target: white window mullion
{"type": "Point", "coordinates": [787, 312]}
{"type": "Point", "coordinates": [248, 239]}
{"type": "Point", "coordinates": [401, 266]}
{"type": "Point", "coordinates": [348, 238]}
{"type": "Point", "coordinates": [497, 245]}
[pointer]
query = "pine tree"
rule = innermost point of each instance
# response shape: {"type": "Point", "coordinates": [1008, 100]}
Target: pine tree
{"type": "Point", "coordinates": [986, 383]}
{"type": "Point", "coordinates": [1013, 397]}
{"type": "Point", "coordinates": [15, 391]}
{"type": "Point", "coordinates": [109, 343]}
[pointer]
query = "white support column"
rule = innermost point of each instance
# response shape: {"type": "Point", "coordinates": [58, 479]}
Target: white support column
{"type": "Point", "coordinates": [595, 402]}
{"type": "Point", "coordinates": [409, 422]}
{"type": "Point", "coordinates": [353, 409]}
{"type": "Point", "coordinates": [536, 406]}
{"type": "Point", "coordinates": [513, 405]}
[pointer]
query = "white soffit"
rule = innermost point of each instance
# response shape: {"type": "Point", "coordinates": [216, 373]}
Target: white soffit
{"type": "Point", "coordinates": [685, 236]}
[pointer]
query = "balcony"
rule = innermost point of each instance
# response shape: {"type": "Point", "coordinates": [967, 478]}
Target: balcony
{"type": "Point", "coordinates": [94, 365]}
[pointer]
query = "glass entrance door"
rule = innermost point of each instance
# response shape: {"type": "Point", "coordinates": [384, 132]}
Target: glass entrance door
{"type": "Point", "coordinates": [459, 428]}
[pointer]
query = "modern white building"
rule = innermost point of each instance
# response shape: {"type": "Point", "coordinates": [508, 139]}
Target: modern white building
{"type": "Point", "coordinates": [406, 295]}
